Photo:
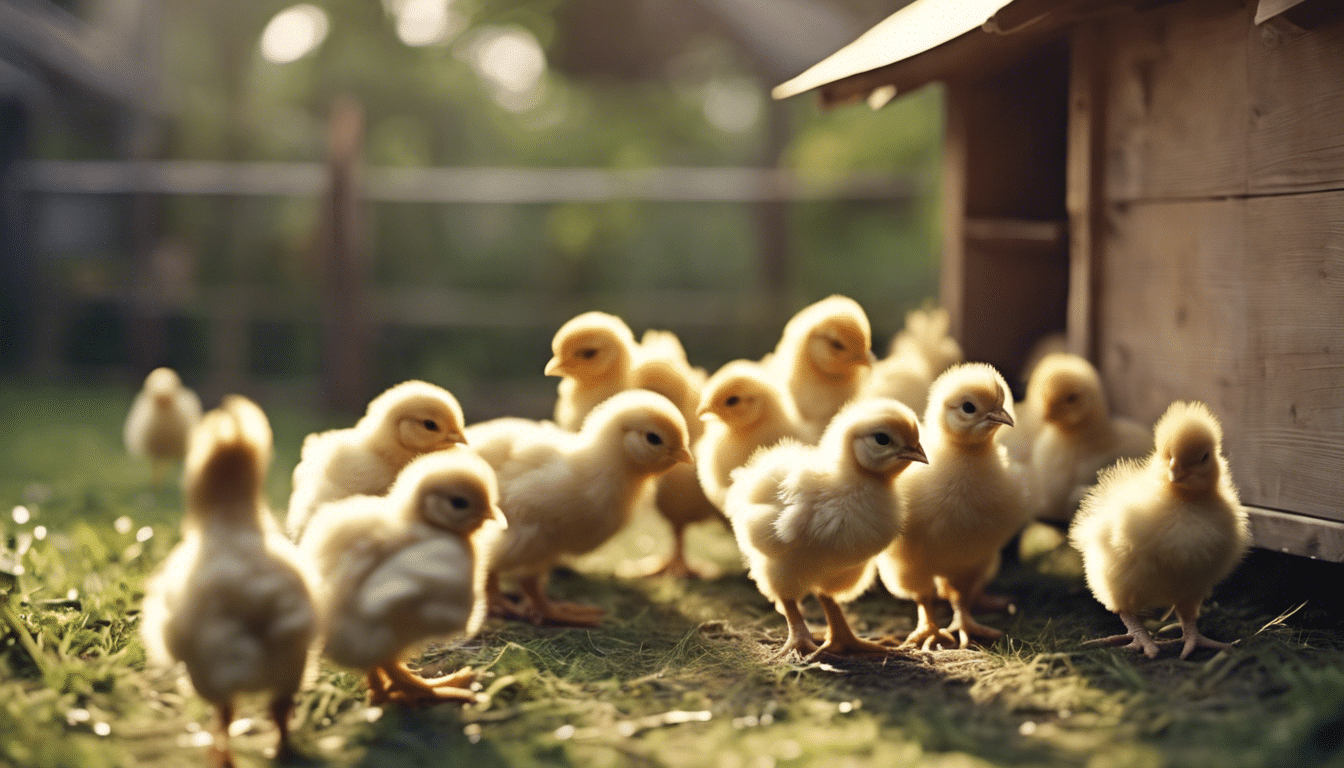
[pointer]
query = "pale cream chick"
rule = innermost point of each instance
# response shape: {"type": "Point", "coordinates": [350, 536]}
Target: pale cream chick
{"type": "Point", "coordinates": [1163, 531]}
{"type": "Point", "coordinates": [903, 375]}
{"type": "Point", "coordinates": [824, 355]}
{"type": "Point", "coordinates": [406, 421]}
{"type": "Point", "coordinates": [809, 520]}
{"type": "Point", "coordinates": [1027, 412]}
{"type": "Point", "coordinates": [233, 601]}
{"type": "Point", "coordinates": [593, 354]}
{"type": "Point", "coordinates": [565, 493]}
{"type": "Point", "coordinates": [742, 412]}
{"type": "Point", "coordinates": [927, 331]}
{"type": "Point", "coordinates": [1078, 438]}
{"type": "Point", "coordinates": [161, 419]}
{"type": "Point", "coordinates": [960, 509]}
{"type": "Point", "coordinates": [403, 569]}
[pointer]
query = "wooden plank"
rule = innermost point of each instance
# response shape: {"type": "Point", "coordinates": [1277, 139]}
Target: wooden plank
{"type": "Point", "coordinates": [956, 132]}
{"type": "Point", "coordinates": [1296, 534]}
{"type": "Point", "coordinates": [1239, 303]}
{"type": "Point", "coordinates": [1085, 172]}
{"type": "Point", "coordinates": [1296, 108]}
{"type": "Point", "coordinates": [1177, 102]}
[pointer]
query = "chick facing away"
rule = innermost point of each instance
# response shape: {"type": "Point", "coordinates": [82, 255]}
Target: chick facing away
{"type": "Point", "coordinates": [593, 353]}
{"type": "Point", "coordinates": [960, 509]}
{"type": "Point", "coordinates": [809, 520]}
{"type": "Point", "coordinates": [1078, 436]}
{"type": "Point", "coordinates": [1163, 531]}
{"type": "Point", "coordinates": [407, 420]}
{"type": "Point", "coordinates": [405, 568]}
{"type": "Point", "coordinates": [232, 602]}
{"type": "Point", "coordinates": [161, 419]}
{"type": "Point", "coordinates": [565, 493]}
{"type": "Point", "coordinates": [824, 354]}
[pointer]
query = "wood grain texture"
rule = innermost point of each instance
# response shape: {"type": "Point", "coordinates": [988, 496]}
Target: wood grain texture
{"type": "Point", "coordinates": [1297, 534]}
{"type": "Point", "coordinates": [1238, 303]}
{"type": "Point", "coordinates": [1086, 178]}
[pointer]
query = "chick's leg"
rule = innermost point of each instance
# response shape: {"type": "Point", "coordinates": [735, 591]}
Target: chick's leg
{"type": "Point", "coordinates": [1188, 613]}
{"type": "Point", "coordinates": [406, 687]}
{"type": "Point", "coordinates": [281, 707]}
{"type": "Point", "coordinates": [800, 637]}
{"type": "Point", "coordinates": [963, 623]}
{"type": "Point", "coordinates": [499, 605]}
{"type": "Point", "coordinates": [927, 632]}
{"type": "Point", "coordinates": [542, 610]}
{"type": "Point", "coordinates": [220, 754]}
{"type": "Point", "coordinates": [677, 565]}
{"type": "Point", "coordinates": [1137, 637]}
{"type": "Point", "coordinates": [840, 638]}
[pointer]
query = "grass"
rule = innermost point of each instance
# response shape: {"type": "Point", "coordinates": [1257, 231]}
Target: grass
{"type": "Point", "coordinates": [678, 676]}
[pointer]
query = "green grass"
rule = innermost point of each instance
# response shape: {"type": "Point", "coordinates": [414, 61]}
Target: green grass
{"type": "Point", "coordinates": [678, 676]}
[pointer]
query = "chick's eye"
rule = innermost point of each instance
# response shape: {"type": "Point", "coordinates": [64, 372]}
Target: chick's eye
{"type": "Point", "coordinates": [653, 438]}
{"type": "Point", "coordinates": [1205, 458]}
{"type": "Point", "coordinates": [431, 425]}
{"type": "Point", "coordinates": [1072, 398]}
{"type": "Point", "coordinates": [732, 400]}
{"type": "Point", "coordinates": [587, 354]}
{"type": "Point", "coordinates": [968, 407]}
{"type": "Point", "coordinates": [837, 346]}
{"type": "Point", "coordinates": [459, 503]}
{"type": "Point", "coordinates": [882, 438]}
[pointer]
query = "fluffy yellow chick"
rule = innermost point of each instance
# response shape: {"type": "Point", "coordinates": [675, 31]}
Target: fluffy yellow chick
{"type": "Point", "coordinates": [161, 419]}
{"type": "Point", "coordinates": [809, 520]}
{"type": "Point", "coordinates": [594, 354]}
{"type": "Point", "coordinates": [566, 493]}
{"type": "Point", "coordinates": [232, 601]}
{"type": "Point", "coordinates": [1078, 437]}
{"type": "Point", "coordinates": [1027, 412]}
{"type": "Point", "coordinates": [1164, 531]}
{"type": "Point", "coordinates": [824, 353]}
{"type": "Point", "coordinates": [960, 509]}
{"type": "Point", "coordinates": [926, 330]}
{"type": "Point", "coordinates": [903, 375]}
{"type": "Point", "coordinates": [742, 412]}
{"type": "Point", "coordinates": [401, 569]}
{"type": "Point", "coordinates": [407, 420]}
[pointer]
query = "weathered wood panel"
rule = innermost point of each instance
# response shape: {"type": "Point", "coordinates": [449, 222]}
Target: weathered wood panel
{"type": "Point", "coordinates": [1177, 104]}
{"type": "Point", "coordinates": [1086, 170]}
{"type": "Point", "coordinates": [1239, 303]}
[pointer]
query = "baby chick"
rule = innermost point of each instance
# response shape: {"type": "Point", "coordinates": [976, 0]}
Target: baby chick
{"type": "Point", "coordinates": [409, 419]}
{"type": "Point", "coordinates": [742, 411]}
{"type": "Point", "coordinates": [1078, 437]}
{"type": "Point", "coordinates": [926, 330]}
{"type": "Point", "coordinates": [903, 375]}
{"type": "Point", "coordinates": [232, 601]}
{"type": "Point", "coordinates": [161, 419]}
{"type": "Point", "coordinates": [824, 353]}
{"type": "Point", "coordinates": [1164, 531]}
{"type": "Point", "coordinates": [809, 520]}
{"type": "Point", "coordinates": [401, 569]}
{"type": "Point", "coordinates": [594, 353]}
{"type": "Point", "coordinates": [960, 509]}
{"type": "Point", "coordinates": [567, 493]}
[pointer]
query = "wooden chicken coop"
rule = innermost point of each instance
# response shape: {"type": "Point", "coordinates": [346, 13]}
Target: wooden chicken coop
{"type": "Point", "coordinates": [1164, 182]}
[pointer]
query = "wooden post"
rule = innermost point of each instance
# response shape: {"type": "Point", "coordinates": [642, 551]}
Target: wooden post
{"type": "Point", "coordinates": [344, 332]}
{"type": "Point", "coordinates": [1086, 185]}
{"type": "Point", "coordinates": [772, 220]}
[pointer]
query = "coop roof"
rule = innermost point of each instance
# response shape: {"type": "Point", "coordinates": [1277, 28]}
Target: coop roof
{"type": "Point", "coordinates": [937, 40]}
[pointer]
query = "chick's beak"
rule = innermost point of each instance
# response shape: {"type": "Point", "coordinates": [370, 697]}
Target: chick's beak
{"type": "Point", "coordinates": [498, 515]}
{"type": "Point", "coordinates": [999, 416]}
{"type": "Point", "coordinates": [1177, 473]}
{"type": "Point", "coordinates": [869, 358]}
{"type": "Point", "coordinates": [683, 455]}
{"type": "Point", "coordinates": [457, 438]}
{"type": "Point", "coordinates": [914, 453]}
{"type": "Point", "coordinates": [555, 367]}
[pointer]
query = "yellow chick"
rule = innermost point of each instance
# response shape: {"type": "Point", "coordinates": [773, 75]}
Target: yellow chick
{"type": "Point", "coordinates": [926, 330]}
{"type": "Point", "coordinates": [594, 354]}
{"type": "Point", "coordinates": [903, 375]}
{"type": "Point", "coordinates": [1078, 437]}
{"type": "Point", "coordinates": [161, 419]}
{"type": "Point", "coordinates": [742, 412]}
{"type": "Point", "coordinates": [1164, 531]}
{"type": "Point", "coordinates": [1026, 412]}
{"type": "Point", "coordinates": [960, 509]}
{"type": "Point", "coordinates": [407, 420]}
{"type": "Point", "coordinates": [232, 601]}
{"type": "Point", "coordinates": [824, 353]}
{"type": "Point", "coordinates": [809, 520]}
{"type": "Point", "coordinates": [565, 493]}
{"type": "Point", "coordinates": [402, 569]}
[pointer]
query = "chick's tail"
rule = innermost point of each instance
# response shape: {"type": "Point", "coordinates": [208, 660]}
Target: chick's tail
{"type": "Point", "coordinates": [228, 454]}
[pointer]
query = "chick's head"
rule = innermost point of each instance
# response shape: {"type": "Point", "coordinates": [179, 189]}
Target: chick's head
{"type": "Point", "coordinates": [455, 490]}
{"type": "Point", "coordinates": [837, 335]}
{"type": "Point", "coordinates": [738, 394]}
{"type": "Point", "coordinates": [1067, 392]}
{"type": "Point", "coordinates": [969, 402]}
{"type": "Point", "coordinates": [162, 384]}
{"type": "Point", "coordinates": [227, 457]}
{"type": "Point", "coordinates": [651, 431]}
{"type": "Point", "coordinates": [419, 417]}
{"type": "Point", "coordinates": [590, 346]}
{"type": "Point", "coordinates": [1189, 444]}
{"type": "Point", "coordinates": [881, 434]}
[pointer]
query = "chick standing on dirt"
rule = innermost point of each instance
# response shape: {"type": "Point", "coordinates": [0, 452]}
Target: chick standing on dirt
{"type": "Point", "coordinates": [402, 569]}
{"type": "Point", "coordinates": [409, 419]}
{"type": "Point", "coordinates": [1164, 531]}
{"type": "Point", "coordinates": [824, 354]}
{"type": "Point", "coordinates": [161, 419]}
{"type": "Point", "coordinates": [594, 354]}
{"type": "Point", "coordinates": [809, 520]}
{"type": "Point", "coordinates": [1078, 437]}
{"type": "Point", "coordinates": [232, 601]}
{"type": "Point", "coordinates": [960, 509]}
{"type": "Point", "coordinates": [742, 412]}
{"type": "Point", "coordinates": [566, 493]}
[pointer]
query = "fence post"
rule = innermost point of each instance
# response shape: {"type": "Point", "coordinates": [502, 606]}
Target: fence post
{"type": "Point", "coordinates": [344, 330]}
